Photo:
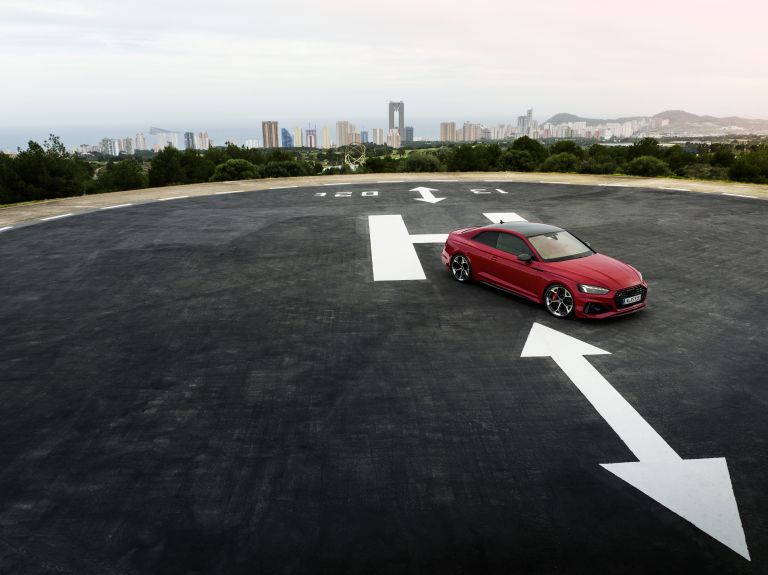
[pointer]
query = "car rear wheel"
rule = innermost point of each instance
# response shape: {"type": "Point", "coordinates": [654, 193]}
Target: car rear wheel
{"type": "Point", "coordinates": [461, 268]}
{"type": "Point", "coordinates": [559, 301]}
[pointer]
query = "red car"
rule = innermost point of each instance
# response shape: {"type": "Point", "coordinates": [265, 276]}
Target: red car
{"type": "Point", "coordinates": [548, 265]}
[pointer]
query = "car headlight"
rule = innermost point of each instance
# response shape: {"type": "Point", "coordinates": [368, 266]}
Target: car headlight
{"type": "Point", "coordinates": [593, 289]}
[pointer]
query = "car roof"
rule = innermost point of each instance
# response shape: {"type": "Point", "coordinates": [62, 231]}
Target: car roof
{"type": "Point", "coordinates": [527, 229]}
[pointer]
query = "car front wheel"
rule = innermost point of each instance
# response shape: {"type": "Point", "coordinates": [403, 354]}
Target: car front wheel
{"type": "Point", "coordinates": [559, 301]}
{"type": "Point", "coordinates": [461, 268]}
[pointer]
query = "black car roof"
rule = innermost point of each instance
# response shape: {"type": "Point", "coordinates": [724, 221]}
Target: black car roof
{"type": "Point", "coordinates": [527, 229]}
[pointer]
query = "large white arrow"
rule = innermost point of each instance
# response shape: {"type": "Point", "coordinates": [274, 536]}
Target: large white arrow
{"type": "Point", "coordinates": [699, 490]}
{"type": "Point", "coordinates": [426, 195]}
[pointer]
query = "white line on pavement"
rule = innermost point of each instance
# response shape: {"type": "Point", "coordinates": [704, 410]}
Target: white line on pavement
{"type": "Point", "coordinates": [284, 187]}
{"type": "Point", "coordinates": [392, 253]}
{"type": "Point", "coordinates": [340, 184]}
{"type": "Point", "coordinates": [676, 189]}
{"type": "Point", "coordinates": [230, 192]}
{"type": "Point", "coordinates": [612, 185]}
{"type": "Point", "coordinates": [171, 198]}
{"type": "Point", "coordinates": [390, 181]}
{"type": "Point", "coordinates": [115, 207]}
{"type": "Point", "coordinates": [6, 228]}
{"type": "Point", "coordinates": [443, 180]}
{"type": "Point", "coordinates": [739, 195]}
{"type": "Point", "coordinates": [497, 217]}
{"type": "Point", "coordinates": [429, 238]}
{"type": "Point", "coordinates": [551, 182]}
{"type": "Point", "coordinates": [55, 217]}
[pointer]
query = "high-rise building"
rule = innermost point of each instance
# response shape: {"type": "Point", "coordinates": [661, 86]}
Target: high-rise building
{"type": "Point", "coordinates": [378, 136]}
{"type": "Point", "coordinates": [202, 141]}
{"type": "Point", "coordinates": [141, 141]}
{"type": "Point", "coordinates": [471, 132]}
{"type": "Point", "coordinates": [269, 133]}
{"type": "Point", "coordinates": [126, 145]}
{"type": "Point", "coordinates": [113, 147]}
{"type": "Point", "coordinates": [485, 133]}
{"type": "Point", "coordinates": [326, 140]}
{"type": "Point", "coordinates": [189, 141]}
{"type": "Point", "coordinates": [165, 138]}
{"type": "Point", "coordinates": [393, 138]}
{"type": "Point", "coordinates": [398, 107]}
{"type": "Point", "coordinates": [298, 141]}
{"type": "Point", "coordinates": [408, 135]}
{"type": "Point", "coordinates": [287, 138]}
{"type": "Point", "coordinates": [251, 144]}
{"type": "Point", "coordinates": [448, 131]}
{"type": "Point", "coordinates": [343, 130]}
{"type": "Point", "coordinates": [310, 136]}
{"type": "Point", "coordinates": [364, 136]}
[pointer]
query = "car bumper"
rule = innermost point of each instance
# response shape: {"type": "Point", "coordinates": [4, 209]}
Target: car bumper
{"type": "Point", "coordinates": [603, 306]}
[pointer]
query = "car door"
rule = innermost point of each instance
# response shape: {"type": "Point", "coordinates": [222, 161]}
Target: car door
{"type": "Point", "coordinates": [483, 249]}
{"type": "Point", "coordinates": [511, 273]}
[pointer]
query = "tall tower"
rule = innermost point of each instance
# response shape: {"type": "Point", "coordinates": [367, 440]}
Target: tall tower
{"type": "Point", "coordinates": [398, 107]}
{"type": "Point", "coordinates": [269, 131]}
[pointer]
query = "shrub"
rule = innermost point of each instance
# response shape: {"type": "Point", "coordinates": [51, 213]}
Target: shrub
{"type": "Point", "coordinates": [648, 166]}
{"type": "Point", "coordinates": [235, 170]}
{"type": "Point", "coordinates": [517, 161]}
{"type": "Point", "coordinates": [563, 162]}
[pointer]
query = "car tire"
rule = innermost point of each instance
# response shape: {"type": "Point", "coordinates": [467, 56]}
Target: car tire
{"type": "Point", "coordinates": [559, 301]}
{"type": "Point", "coordinates": [461, 269]}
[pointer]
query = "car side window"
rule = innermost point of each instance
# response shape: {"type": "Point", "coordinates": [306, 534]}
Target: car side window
{"type": "Point", "coordinates": [487, 238]}
{"type": "Point", "coordinates": [512, 244]}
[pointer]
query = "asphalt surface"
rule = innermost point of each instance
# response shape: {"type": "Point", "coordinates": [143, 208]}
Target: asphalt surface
{"type": "Point", "coordinates": [217, 385]}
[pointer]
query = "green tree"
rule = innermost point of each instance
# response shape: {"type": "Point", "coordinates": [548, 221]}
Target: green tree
{"type": "Point", "coordinates": [537, 151]}
{"type": "Point", "coordinates": [166, 168]}
{"type": "Point", "coordinates": [517, 161]}
{"type": "Point", "coordinates": [645, 147]}
{"type": "Point", "coordinates": [721, 155]}
{"type": "Point", "coordinates": [235, 170]}
{"type": "Point", "coordinates": [48, 171]}
{"type": "Point", "coordinates": [751, 167]}
{"type": "Point", "coordinates": [648, 166]}
{"type": "Point", "coordinates": [284, 169]}
{"type": "Point", "coordinates": [563, 162]}
{"type": "Point", "coordinates": [196, 167]}
{"type": "Point", "coordinates": [422, 162]}
{"type": "Point", "coordinates": [122, 175]}
{"type": "Point", "coordinates": [567, 147]}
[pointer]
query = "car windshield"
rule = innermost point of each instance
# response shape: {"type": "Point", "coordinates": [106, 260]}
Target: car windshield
{"type": "Point", "coordinates": [559, 246]}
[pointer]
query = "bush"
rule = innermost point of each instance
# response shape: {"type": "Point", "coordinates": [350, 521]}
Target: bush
{"type": "Point", "coordinates": [166, 168]}
{"type": "Point", "coordinates": [537, 151]}
{"type": "Point", "coordinates": [235, 170]}
{"type": "Point", "coordinates": [517, 161]}
{"type": "Point", "coordinates": [564, 162]}
{"type": "Point", "coordinates": [419, 162]}
{"type": "Point", "coordinates": [648, 166]}
{"type": "Point", "coordinates": [567, 147]}
{"type": "Point", "coordinates": [122, 175]}
{"type": "Point", "coordinates": [284, 169]}
{"type": "Point", "coordinates": [751, 167]}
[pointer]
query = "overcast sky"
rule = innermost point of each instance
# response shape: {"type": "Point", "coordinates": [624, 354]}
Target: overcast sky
{"type": "Point", "coordinates": [167, 61]}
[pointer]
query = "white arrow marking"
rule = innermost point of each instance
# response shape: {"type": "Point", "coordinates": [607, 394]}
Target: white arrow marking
{"type": "Point", "coordinates": [698, 490]}
{"type": "Point", "coordinates": [497, 217]}
{"type": "Point", "coordinates": [426, 195]}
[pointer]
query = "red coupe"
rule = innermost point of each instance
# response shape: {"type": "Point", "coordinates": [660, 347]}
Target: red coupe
{"type": "Point", "coordinates": [548, 265]}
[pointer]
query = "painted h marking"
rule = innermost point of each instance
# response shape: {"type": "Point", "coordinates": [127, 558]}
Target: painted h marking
{"type": "Point", "coordinates": [392, 253]}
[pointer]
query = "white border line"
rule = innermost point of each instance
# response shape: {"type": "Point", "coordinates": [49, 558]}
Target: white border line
{"type": "Point", "coordinates": [676, 189]}
{"type": "Point", "coordinates": [443, 180]}
{"type": "Point", "coordinates": [115, 207]}
{"type": "Point", "coordinates": [340, 184]}
{"type": "Point", "coordinates": [550, 182]}
{"type": "Point", "coordinates": [739, 195]}
{"type": "Point", "coordinates": [282, 187]}
{"type": "Point", "coordinates": [171, 198]}
{"type": "Point", "coordinates": [615, 185]}
{"type": "Point", "coordinates": [48, 219]}
{"type": "Point", "coordinates": [230, 192]}
{"type": "Point", "coordinates": [391, 182]}
{"type": "Point", "coordinates": [6, 228]}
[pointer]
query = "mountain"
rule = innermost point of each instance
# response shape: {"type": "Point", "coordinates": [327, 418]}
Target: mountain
{"type": "Point", "coordinates": [680, 122]}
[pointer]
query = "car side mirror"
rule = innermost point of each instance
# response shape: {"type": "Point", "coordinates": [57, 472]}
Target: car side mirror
{"type": "Point", "coordinates": [525, 258]}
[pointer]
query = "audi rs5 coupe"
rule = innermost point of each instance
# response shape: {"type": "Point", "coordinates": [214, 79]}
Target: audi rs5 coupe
{"type": "Point", "coordinates": [548, 265]}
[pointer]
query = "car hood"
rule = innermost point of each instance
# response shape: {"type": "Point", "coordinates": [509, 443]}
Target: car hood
{"type": "Point", "coordinates": [598, 270]}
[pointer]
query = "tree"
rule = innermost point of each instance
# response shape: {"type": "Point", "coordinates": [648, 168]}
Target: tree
{"type": "Point", "coordinates": [648, 166]}
{"type": "Point", "coordinates": [563, 162]}
{"type": "Point", "coordinates": [537, 151]}
{"type": "Point", "coordinates": [196, 167]}
{"type": "Point", "coordinates": [751, 167]}
{"type": "Point", "coordinates": [517, 161]}
{"type": "Point", "coordinates": [422, 162]}
{"type": "Point", "coordinates": [235, 170]}
{"type": "Point", "coordinates": [567, 147]}
{"type": "Point", "coordinates": [122, 175]}
{"type": "Point", "coordinates": [645, 147]}
{"type": "Point", "coordinates": [166, 168]}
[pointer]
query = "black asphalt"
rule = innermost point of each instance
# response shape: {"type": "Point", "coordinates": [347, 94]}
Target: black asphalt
{"type": "Point", "coordinates": [217, 385]}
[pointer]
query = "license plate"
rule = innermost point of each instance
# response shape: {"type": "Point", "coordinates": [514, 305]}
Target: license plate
{"type": "Point", "coordinates": [633, 299]}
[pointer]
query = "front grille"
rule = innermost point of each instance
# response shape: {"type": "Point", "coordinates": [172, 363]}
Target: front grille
{"type": "Point", "coordinates": [619, 296]}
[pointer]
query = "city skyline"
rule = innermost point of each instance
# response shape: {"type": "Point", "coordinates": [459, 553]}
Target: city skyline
{"type": "Point", "coordinates": [485, 58]}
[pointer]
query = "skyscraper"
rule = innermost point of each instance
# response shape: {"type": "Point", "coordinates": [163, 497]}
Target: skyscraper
{"type": "Point", "coordinates": [269, 133]}
{"type": "Point", "coordinates": [189, 141]}
{"type": "Point", "coordinates": [398, 107]}
{"type": "Point", "coordinates": [326, 140]}
{"type": "Point", "coordinates": [448, 131]}
{"type": "Point", "coordinates": [202, 141]}
{"type": "Point", "coordinates": [343, 129]}
{"type": "Point", "coordinates": [393, 138]}
{"type": "Point", "coordinates": [408, 135]}
{"type": "Point", "coordinates": [298, 141]}
{"type": "Point", "coordinates": [141, 141]}
{"type": "Point", "coordinates": [364, 136]}
{"type": "Point", "coordinates": [378, 136]}
{"type": "Point", "coordinates": [311, 138]}
{"type": "Point", "coordinates": [287, 138]}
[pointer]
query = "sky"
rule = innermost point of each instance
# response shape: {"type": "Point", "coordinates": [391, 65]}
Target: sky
{"type": "Point", "coordinates": [174, 63]}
